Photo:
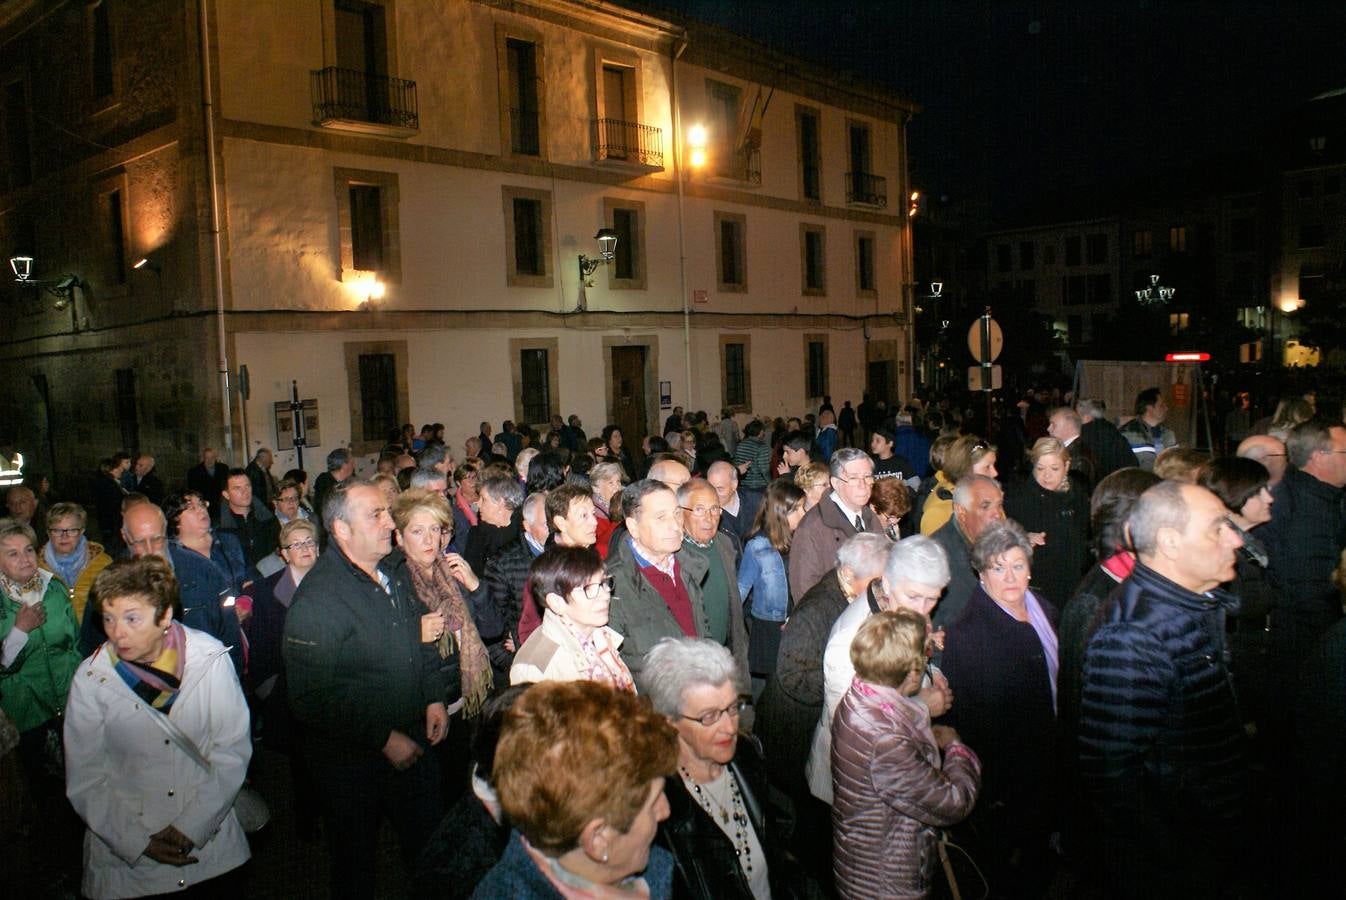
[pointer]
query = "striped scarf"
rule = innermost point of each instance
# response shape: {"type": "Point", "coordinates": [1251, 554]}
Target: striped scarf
{"type": "Point", "coordinates": [157, 684]}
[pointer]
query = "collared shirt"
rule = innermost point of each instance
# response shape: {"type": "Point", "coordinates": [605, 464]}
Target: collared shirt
{"type": "Point", "coordinates": [733, 506]}
{"type": "Point", "coordinates": [850, 513]}
{"type": "Point", "coordinates": [668, 566]}
{"type": "Point", "coordinates": [533, 546]}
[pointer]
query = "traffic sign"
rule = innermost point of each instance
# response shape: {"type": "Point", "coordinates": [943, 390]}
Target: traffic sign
{"type": "Point", "coordinates": [974, 337]}
{"type": "Point", "coordinates": [975, 380]}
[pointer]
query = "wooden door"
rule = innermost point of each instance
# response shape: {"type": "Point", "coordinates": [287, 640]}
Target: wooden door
{"type": "Point", "coordinates": [628, 395]}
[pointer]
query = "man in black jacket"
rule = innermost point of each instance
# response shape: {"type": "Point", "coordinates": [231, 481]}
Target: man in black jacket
{"type": "Point", "coordinates": [367, 690]}
{"type": "Point", "coordinates": [207, 478]}
{"type": "Point", "coordinates": [247, 518]}
{"type": "Point", "coordinates": [1110, 450]}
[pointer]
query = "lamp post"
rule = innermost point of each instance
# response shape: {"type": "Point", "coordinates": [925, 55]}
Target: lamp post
{"type": "Point", "coordinates": [63, 288]}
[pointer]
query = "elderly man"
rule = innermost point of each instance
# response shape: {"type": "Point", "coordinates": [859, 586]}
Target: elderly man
{"type": "Point", "coordinates": [1110, 450]}
{"type": "Point", "coordinates": [147, 480]}
{"type": "Point", "coordinates": [1064, 424]}
{"type": "Point", "coordinates": [670, 471]}
{"type": "Point", "coordinates": [1161, 740]}
{"type": "Point", "coordinates": [913, 575]}
{"type": "Point", "coordinates": [506, 579]}
{"type": "Point", "coordinates": [207, 479]}
{"type": "Point", "coordinates": [259, 473]}
{"type": "Point", "coordinates": [1146, 433]}
{"type": "Point", "coordinates": [205, 591]}
{"type": "Point", "coordinates": [1267, 450]}
{"type": "Point", "coordinates": [21, 503]}
{"type": "Point", "coordinates": [977, 502]}
{"type": "Point", "coordinates": [248, 518]}
{"type": "Point", "coordinates": [702, 538]}
{"type": "Point", "coordinates": [738, 508]}
{"type": "Point", "coordinates": [366, 688]}
{"type": "Point", "coordinates": [657, 590]}
{"type": "Point", "coordinates": [340, 466]}
{"type": "Point", "coordinates": [842, 513]}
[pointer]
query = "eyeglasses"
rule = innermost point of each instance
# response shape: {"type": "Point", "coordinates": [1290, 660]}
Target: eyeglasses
{"type": "Point", "coordinates": [305, 544]}
{"type": "Point", "coordinates": [862, 479]}
{"type": "Point", "coordinates": [593, 590]}
{"type": "Point", "coordinates": [702, 511]}
{"type": "Point", "coordinates": [153, 542]}
{"type": "Point", "coordinates": [708, 719]}
{"type": "Point", "coordinates": [64, 532]}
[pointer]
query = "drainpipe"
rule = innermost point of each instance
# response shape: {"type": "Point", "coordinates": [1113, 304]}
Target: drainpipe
{"type": "Point", "coordinates": [679, 46]}
{"type": "Point", "coordinates": [217, 252]}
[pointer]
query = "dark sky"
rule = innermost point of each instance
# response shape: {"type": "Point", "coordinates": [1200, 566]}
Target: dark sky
{"type": "Point", "coordinates": [1026, 99]}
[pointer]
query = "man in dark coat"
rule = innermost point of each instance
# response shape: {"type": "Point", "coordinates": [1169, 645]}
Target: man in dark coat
{"type": "Point", "coordinates": [263, 482]}
{"type": "Point", "coordinates": [147, 480]}
{"type": "Point", "coordinates": [1160, 737]}
{"type": "Point", "coordinates": [207, 478]}
{"type": "Point", "coordinates": [977, 502]}
{"type": "Point", "coordinates": [340, 466]}
{"type": "Point", "coordinates": [738, 508]}
{"type": "Point", "coordinates": [247, 518]}
{"type": "Point", "coordinates": [1111, 451]}
{"type": "Point", "coordinates": [367, 689]}
{"type": "Point", "coordinates": [108, 494]}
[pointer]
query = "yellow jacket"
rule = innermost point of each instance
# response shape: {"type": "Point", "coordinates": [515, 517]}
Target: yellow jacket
{"type": "Point", "coordinates": [79, 593]}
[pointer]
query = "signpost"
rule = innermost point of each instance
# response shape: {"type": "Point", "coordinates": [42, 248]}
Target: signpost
{"type": "Point", "coordinates": [985, 340]}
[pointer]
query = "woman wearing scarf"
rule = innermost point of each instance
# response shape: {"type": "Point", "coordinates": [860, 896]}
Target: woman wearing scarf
{"type": "Point", "coordinates": [574, 642]}
{"type": "Point", "coordinates": [445, 584]}
{"type": "Point", "coordinates": [70, 555]}
{"type": "Point", "coordinates": [606, 480]}
{"type": "Point", "coordinates": [157, 745]}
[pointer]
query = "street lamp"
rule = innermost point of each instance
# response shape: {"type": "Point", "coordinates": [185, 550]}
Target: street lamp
{"type": "Point", "coordinates": [1155, 293]}
{"type": "Point", "coordinates": [63, 288]}
{"type": "Point", "coordinates": [607, 249]}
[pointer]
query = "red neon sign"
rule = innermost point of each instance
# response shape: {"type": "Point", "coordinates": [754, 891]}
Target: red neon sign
{"type": "Point", "coordinates": [1190, 356]}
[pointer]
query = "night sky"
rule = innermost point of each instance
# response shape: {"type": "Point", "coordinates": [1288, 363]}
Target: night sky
{"type": "Point", "coordinates": [1026, 101]}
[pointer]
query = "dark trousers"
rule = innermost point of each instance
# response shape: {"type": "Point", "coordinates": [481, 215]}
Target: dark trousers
{"type": "Point", "coordinates": [357, 795]}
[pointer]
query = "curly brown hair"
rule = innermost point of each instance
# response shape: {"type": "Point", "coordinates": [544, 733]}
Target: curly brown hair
{"type": "Point", "coordinates": [150, 578]}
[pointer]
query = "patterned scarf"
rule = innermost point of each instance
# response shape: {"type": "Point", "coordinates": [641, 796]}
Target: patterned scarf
{"type": "Point", "coordinates": [158, 683]}
{"type": "Point", "coordinates": [439, 592]}
{"type": "Point", "coordinates": [598, 657]}
{"type": "Point", "coordinates": [68, 565]}
{"type": "Point", "coordinates": [460, 500]}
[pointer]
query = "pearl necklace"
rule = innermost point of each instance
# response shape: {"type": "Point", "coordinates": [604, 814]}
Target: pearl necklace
{"type": "Point", "coordinates": [735, 812]}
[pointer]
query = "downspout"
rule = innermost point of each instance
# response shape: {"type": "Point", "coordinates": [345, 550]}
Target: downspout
{"type": "Point", "coordinates": [909, 264]}
{"type": "Point", "coordinates": [217, 252]}
{"type": "Point", "coordinates": [680, 45]}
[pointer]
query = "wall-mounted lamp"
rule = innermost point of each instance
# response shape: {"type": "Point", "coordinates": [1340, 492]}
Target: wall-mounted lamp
{"type": "Point", "coordinates": [372, 290]}
{"type": "Point", "coordinates": [63, 289]}
{"type": "Point", "coordinates": [915, 205]}
{"type": "Point", "coordinates": [146, 263]}
{"type": "Point", "coordinates": [607, 249]}
{"type": "Point", "coordinates": [696, 143]}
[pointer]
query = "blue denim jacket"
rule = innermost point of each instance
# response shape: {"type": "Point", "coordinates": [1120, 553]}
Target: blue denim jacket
{"type": "Point", "coordinates": [762, 575]}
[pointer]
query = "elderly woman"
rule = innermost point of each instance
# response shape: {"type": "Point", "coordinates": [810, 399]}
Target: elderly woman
{"type": "Point", "coordinates": [189, 527]}
{"type": "Point", "coordinates": [271, 601]}
{"type": "Point", "coordinates": [891, 500]}
{"type": "Point", "coordinates": [38, 655]}
{"type": "Point", "coordinates": [465, 499]}
{"type": "Point", "coordinates": [156, 744]}
{"type": "Point", "coordinates": [815, 480]}
{"type": "Point", "coordinates": [574, 641]}
{"type": "Point", "coordinates": [968, 454]}
{"type": "Point", "coordinates": [70, 555]}
{"type": "Point", "coordinates": [718, 829]}
{"type": "Point", "coordinates": [1054, 510]}
{"type": "Point", "coordinates": [498, 496]}
{"type": "Point", "coordinates": [580, 771]}
{"type": "Point", "coordinates": [896, 780]}
{"type": "Point", "coordinates": [1241, 485]}
{"type": "Point", "coordinates": [1000, 658]}
{"type": "Point", "coordinates": [606, 479]}
{"type": "Point", "coordinates": [763, 579]}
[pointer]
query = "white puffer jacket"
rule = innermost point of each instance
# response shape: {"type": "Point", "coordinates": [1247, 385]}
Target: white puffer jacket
{"type": "Point", "coordinates": [128, 780]}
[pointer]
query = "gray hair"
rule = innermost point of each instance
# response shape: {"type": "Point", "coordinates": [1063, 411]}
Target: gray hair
{"type": "Point", "coordinates": [844, 457]}
{"type": "Point", "coordinates": [1161, 506]}
{"type": "Point", "coordinates": [1094, 409]}
{"type": "Point", "coordinates": [1068, 414]}
{"type": "Point", "coordinates": [1308, 438]}
{"type": "Point", "coordinates": [634, 494]}
{"type": "Point", "coordinates": [14, 528]}
{"type": "Point", "coordinates": [338, 458]}
{"type": "Point", "coordinates": [603, 470]}
{"type": "Point", "coordinates": [424, 476]}
{"type": "Point", "coordinates": [674, 665]}
{"type": "Point", "coordinates": [691, 486]}
{"type": "Point", "coordinates": [997, 539]}
{"type": "Point", "coordinates": [865, 554]}
{"type": "Point", "coordinates": [522, 461]}
{"type": "Point", "coordinates": [531, 501]}
{"type": "Point", "coordinates": [919, 560]}
{"type": "Point", "coordinates": [337, 504]}
{"type": "Point", "coordinates": [962, 491]}
{"type": "Point", "coordinates": [505, 488]}
{"type": "Point", "coordinates": [434, 455]}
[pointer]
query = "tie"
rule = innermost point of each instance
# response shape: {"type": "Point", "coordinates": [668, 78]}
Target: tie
{"type": "Point", "coordinates": [859, 523]}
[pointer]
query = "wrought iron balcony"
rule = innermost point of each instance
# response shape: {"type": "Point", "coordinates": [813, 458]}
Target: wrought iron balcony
{"type": "Point", "coordinates": [743, 165]}
{"type": "Point", "coordinates": [523, 132]}
{"type": "Point", "coordinates": [350, 100]}
{"type": "Point", "coordinates": [871, 190]}
{"type": "Point", "coordinates": [629, 142]}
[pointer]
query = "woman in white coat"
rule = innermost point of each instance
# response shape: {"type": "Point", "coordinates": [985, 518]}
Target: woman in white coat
{"type": "Point", "coordinates": [157, 746]}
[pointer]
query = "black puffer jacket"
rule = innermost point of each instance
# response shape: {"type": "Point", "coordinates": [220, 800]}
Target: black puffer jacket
{"type": "Point", "coordinates": [504, 579]}
{"type": "Point", "coordinates": [1161, 744]}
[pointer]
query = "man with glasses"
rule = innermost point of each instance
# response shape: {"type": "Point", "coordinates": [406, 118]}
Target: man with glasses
{"type": "Point", "coordinates": [738, 507]}
{"type": "Point", "coordinates": [1269, 452]}
{"type": "Point", "coordinates": [842, 513]}
{"type": "Point", "coordinates": [703, 538]}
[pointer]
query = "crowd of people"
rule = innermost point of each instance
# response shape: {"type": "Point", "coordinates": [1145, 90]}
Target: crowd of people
{"type": "Point", "coordinates": [852, 654]}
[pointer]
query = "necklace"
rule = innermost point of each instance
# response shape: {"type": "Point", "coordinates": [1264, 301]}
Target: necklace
{"type": "Point", "coordinates": [734, 813]}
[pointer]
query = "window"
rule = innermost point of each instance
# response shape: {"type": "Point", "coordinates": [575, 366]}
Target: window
{"type": "Point", "coordinates": [536, 392]}
{"type": "Point", "coordinates": [1026, 253]}
{"type": "Point", "coordinates": [627, 218]}
{"type": "Point", "coordinates": [367, 220]}
{"type": "Point", "coordinates": [1049, 254]}
{"type": "Point", "coordinates": [731, 252]}
{"type": "Point", "coordinates": [1243, 235]}
{"type": "Point", "coordinates": [735, 377]}
{"type": "Point", "coordinates": [378, 396]}
{"type": "Point", "coordinates": [1099, 289]}
{"type": "Point", "coordinates": [1074, 290]}
{"type": "Point", "coordinates": [859, 148]}
{"type": "Point", "coordinates": [127, 418]}
{"type": "Point", "coordinates": [18, 149]}
{"type": "Point", "coordinates": [361, 37]}
{"type": "Point", "coordinates": [1142, 244]}
{"type": "Point", "coordinates": [816, 354]}
{"type": "Point", "coordinates": [810, 154]}
{"type": "Point", "coordinates": [114, 236]}
{"type": "Point", "coordinates": [726, 160]}
{"type": "Point", "coordinates": [528, 247]}
{"type": "Point", "coordinates": [1177, 239]}
{"type": "Point", "coordinates": [102, 81]}
{"type": "Point", "coordinates": [813, 257]}
{"type": "Point", "coordinates": [1004, 260]}
{"type": "Point", "coordinates": [523, 91]}
{"type": "Point", "coordinates": [1073, 250]}
{"type": "Point", "coordinates": [866, 282]}
{"type": "Point", "coordinates": [1096, 249]}
{"type": "Point", "coordinates": [619, 132]}
{"type": "Point", "coordinates": [1177, 322]}
{"type": "Point", "coordinates": [1312, 234]}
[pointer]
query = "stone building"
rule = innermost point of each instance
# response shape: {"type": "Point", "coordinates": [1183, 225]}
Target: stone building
{"type": "Point", "coordinates": [386, 204]}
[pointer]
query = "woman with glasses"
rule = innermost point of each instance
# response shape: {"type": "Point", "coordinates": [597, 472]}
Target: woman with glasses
{"type": "Point", "coordinates": [763, 579]}
{"type": "Point", "coordinates": [70, 555]}
{"type": "Point", "coordinates": [189, 527]}
{"type": "Point", "coordinates": [719, 828]}
{"type": "Point", "coordinates": [574, 641]}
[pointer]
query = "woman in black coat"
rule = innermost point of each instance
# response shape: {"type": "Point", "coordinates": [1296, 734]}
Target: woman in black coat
{"type": "Point", "coordinates": [1054, 509]}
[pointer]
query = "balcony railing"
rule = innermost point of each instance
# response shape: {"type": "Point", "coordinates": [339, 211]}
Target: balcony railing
{"type": "Point", "coordinates": [523, 132]}
{"type": "Point", "coordinates": [360, 101]}
{"type": "Point", "coordinates": [871, 190]}
{"type": "Point", "coordinates": [630, 141]}
{"type": "Point", "coordinates": [743, 165]}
